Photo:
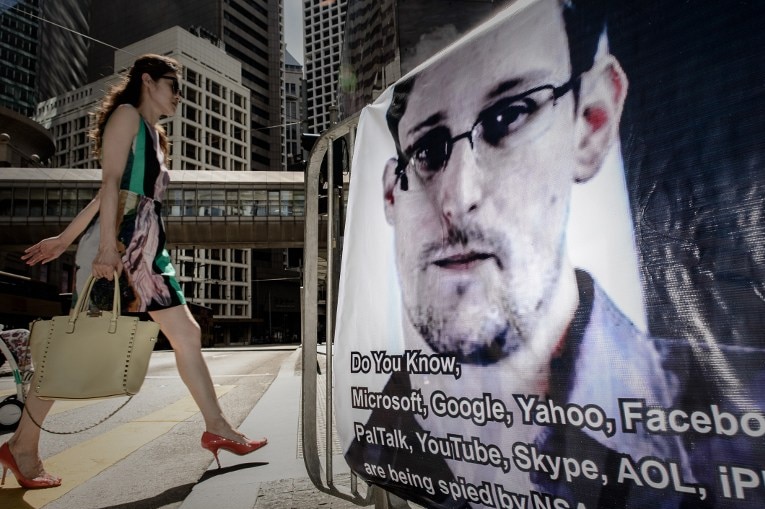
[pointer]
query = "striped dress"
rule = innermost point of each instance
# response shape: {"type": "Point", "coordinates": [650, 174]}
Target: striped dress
{"type": "Point", "coordinates": [148, 280]}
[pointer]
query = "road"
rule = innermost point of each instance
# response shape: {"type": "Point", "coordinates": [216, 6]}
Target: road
{"type": "Point", "coordinates": [148, 455]}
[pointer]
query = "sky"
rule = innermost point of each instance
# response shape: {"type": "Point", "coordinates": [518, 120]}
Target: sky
{"type": "Point", "coordinates": [293, 28]}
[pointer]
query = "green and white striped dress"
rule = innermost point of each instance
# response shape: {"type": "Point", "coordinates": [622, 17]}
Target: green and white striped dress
{"type": "Point", "coordinates": [148, 280]}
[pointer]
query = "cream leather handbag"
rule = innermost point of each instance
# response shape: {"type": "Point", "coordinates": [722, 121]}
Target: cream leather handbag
{"type": "Point", "coordinates": [89, 354]}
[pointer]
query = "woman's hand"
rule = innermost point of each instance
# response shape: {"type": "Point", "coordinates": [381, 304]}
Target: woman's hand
{"type": "Point", "coordinates": [106, 262]}
{"type": "Point", "coordinates": [45, 251]}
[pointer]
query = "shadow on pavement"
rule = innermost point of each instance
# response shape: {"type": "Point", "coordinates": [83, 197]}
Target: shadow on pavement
{"type": "Point", "coordinates": [16, 497]}
{"type": "Point", "coordinates": [170, 496]}
{"type": "Point", "coordinates": [233, 468]}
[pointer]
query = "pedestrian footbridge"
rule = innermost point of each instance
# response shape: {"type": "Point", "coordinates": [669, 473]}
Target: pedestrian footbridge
{"type": "Point", "coordinates": [258, 209]}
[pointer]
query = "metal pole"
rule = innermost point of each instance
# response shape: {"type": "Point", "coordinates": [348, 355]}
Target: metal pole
{"type": "Point", "coordinates": [330, 306]}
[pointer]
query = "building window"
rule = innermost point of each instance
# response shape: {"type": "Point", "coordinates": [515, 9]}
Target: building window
{"type": "Point", "coordinates": [190, 150]}
{"type": "Point", "coordinates": [216, 106]}
{"type": "Point", "coordinates": [191, 113]}
{"type": "Point", "coordinates": [261, 203]}
{"type": "Point", "coordinates": [53, 202]}
{"type": "Point", "coordinates": [214, 160]}
{"type": "Point", "coordinates": [189, 202]}
{"type": "Point", "coordinates": [216, 88]}
{"type": "Point", "coordinates": [217, 202]}
{"type": "Point", "coordinates": [191, 132]}
{"type": "Point", "coordinates": [274, 203]}
{"type": "Point", "coordinates": [191, 95]}
{"type": "Point", "coordinates": [215, 141]}
{"type": "Point", "coordinates": [6, 201]}
{"type": "Point", "coordinates": [192, 77]}
{"type": "Point", "coordinates": [174, 202]}
{"type": "Point", "coordinates": [247, 200]}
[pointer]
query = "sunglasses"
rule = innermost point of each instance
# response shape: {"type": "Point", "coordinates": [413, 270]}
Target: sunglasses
{"type": "Point", "coordinates": [174, 83]}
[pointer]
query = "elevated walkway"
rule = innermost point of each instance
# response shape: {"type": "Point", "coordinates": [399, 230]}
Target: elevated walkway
{"type": "Point", "coordinates": [257, 209]}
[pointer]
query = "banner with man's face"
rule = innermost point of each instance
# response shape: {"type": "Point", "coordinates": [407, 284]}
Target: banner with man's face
{"type": "Point", "coordinates": [551, 291]}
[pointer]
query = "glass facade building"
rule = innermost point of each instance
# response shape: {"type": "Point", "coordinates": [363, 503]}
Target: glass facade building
{"type": "Point", "coordinates": [19, 29]}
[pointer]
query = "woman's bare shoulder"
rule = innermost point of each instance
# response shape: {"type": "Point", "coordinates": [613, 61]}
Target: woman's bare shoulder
{"type": "Point", "coordinates": [125, 118]}
{"type": "Point", "coordinates": [127, 111]}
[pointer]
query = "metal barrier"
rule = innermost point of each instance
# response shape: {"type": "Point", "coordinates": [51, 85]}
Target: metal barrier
{"type": "Point", "coordinates": [319, 463]}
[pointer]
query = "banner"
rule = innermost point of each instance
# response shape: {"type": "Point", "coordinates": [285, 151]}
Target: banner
{"type": "Point", "coordinates": [551, 291]}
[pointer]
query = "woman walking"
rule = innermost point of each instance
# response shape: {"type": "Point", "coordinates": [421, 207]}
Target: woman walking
{"type": "Point", "coordinates": [125, 235]}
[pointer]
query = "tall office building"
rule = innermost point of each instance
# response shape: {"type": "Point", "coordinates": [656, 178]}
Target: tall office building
{"type": "Point", "coordinates": [209, 132]}
{"type": "Point", "coordinates": [324, 22]}
{"type": "Point", "coordinates": [370, 56]}
{"type": "Point", "coordinates": [385, 39]}
{"type": "Point", "coordinates": [64, 61]}
{"type": "Point", "coordinates": [250, 31]}
{"type": "Point", "coordinates": [293, 100]}
{"type": "Point", "coordinates": [19, 29]}
{"type": "Point", "coordinates": [39, 58]}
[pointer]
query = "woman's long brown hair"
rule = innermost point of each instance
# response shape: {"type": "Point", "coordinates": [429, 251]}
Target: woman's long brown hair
{"type": "Point", "coordinates": [128, 91]}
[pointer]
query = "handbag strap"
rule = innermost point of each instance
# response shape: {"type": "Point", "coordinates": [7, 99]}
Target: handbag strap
{"type": "Point", "coordinates": [84, 298]}
{"type": "Point", "coordinates": [73, 432]}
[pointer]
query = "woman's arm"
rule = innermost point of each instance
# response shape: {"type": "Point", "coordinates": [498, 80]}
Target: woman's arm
{"type": "Point", "coordinates": [115, 148]}
{"type": "Point", "coordinates": [51, 248]}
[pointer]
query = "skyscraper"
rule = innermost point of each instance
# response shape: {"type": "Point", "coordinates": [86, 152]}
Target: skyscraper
{"type": "Point", "coordinates": [19, 27]}
{"type": "Point", "coordinates": [324, 22]}
{"type": "Point", "coordinates": [385, 39]}
{"type": "Point", "coordinates": [42, 51]}
{"type": "Point", "coordinates": [293, 98]}
{"type": "Point", "coordinates": [64, 60]}
{"type": "Point", "coordinates": [250, 31]}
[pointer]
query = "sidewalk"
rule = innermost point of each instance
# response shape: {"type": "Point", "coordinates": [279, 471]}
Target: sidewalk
{"type": "Point", "coordinates": [275, 476]}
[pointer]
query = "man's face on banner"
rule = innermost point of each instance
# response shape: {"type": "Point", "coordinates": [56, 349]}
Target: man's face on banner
{"type": "Point", "coordinates": [490, 136]}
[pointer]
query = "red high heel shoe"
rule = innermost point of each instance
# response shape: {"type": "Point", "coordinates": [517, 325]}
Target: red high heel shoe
{"type": "Point", "coordinates": [9, 463]}
{"type": "Point", "coordinates": [213, 443]}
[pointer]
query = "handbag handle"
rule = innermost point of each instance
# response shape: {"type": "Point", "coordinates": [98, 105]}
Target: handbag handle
{"type": "Point", "coordinates": [84, 298]}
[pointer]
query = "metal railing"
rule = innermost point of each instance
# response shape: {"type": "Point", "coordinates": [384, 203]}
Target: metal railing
{"type": "Point", "coordinates": [319, 463]}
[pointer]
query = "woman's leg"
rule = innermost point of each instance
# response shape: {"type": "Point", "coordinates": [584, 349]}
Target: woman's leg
{"type": "Point", "coordinates": [184, 335]}
{"type": "Point", "coordinates": [25, 442]}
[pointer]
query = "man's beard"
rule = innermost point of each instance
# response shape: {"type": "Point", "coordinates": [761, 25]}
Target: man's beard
{"type": "Point", "coordinates": [501, 321]}
{"type": "Point", "coordinates": [473, 336]}
{"type": "Point", "coordinates": [491, 343]}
